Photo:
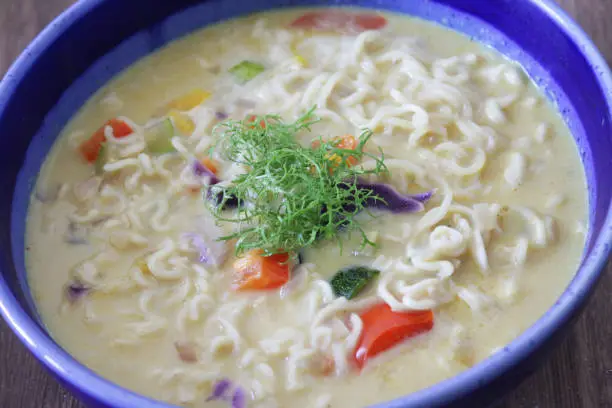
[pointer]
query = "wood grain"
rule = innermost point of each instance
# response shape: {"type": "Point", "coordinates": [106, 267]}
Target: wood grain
{"type": "Point", "coordinates": [578, 375]}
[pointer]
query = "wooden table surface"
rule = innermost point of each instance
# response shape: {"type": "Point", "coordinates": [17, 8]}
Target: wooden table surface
{"type": "Point", "coordinates": [577, 375]}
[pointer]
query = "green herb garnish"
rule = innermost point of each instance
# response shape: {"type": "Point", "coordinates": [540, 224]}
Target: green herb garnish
{"type": "Point", "coordinates": [349, 282]}
{"type": "Point", "coordinates": [246, 70]}
{"type": "Point", "coordinates": [293, 195]}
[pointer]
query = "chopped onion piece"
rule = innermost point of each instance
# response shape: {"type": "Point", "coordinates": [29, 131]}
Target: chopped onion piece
{"type": "Point", "coordinates": [186, 351]}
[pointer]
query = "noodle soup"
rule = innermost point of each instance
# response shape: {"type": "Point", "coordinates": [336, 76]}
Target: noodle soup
{"type": "Point", "coordinates": [307, 209]}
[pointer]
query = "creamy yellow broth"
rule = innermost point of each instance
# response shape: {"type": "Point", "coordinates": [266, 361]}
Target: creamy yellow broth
{"type": "Point", "coordinates": [526, 201]}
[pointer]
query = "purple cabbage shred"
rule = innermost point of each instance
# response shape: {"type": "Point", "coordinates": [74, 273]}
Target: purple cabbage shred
{"type": "Point", "coordinates": [75, 290]}
{"type": "Point", "coordinates": [221, 198]}
{"type": "Point", "coordinates": [221, 115]}
{"type": "Point", "coordinates": [198, 242]}
{"type": "Point", "coordinates": [239, 398]}
{"type": "Point", "coordinates": [221, 392]}
{"type": "Point", "coordinates": [201, 170]}
{"type": "Point", "coordinates": [387, 197]}
{"type": "Point", "coordinates": [217, 195]}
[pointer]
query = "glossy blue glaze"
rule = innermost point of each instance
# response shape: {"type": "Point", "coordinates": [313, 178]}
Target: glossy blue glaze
{"type": "Point", "coordinates": [71, 59]}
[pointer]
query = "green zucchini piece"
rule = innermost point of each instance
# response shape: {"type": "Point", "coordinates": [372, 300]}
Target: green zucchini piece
{"type": "Point", "coordinates": [158, 137]}
{"type": "Point", "coordinates": [351, 281]}
{"type": "Point", "coordinates": [246, 70]}
{"type": "Point", "coordinates": [101, 159]}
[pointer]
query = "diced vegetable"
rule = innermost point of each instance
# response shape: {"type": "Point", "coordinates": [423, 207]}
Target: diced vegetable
{"type": "Point", "coordinates": [258, 272]}
{"type": "Point", "coordinates": [225, 390]}
{"type": "Point", "coordinates": [198, 242]}
{"type": "Point", "coordinates": [253, 118]}
{"type": "Point", "coordinates": [222, 199]}
{"type": "Point", "coordinates": [142, 264]}
{"type": "Point", "coordinates": [75, 290]}
{"type": "Point", "coordinates": [189, 100]}
{"type": "Point", "coordinates": [209, 244]}
{"type": "Point", "coordinates": [183, 123]}
{"type": "Point", "coordinates": [300, 60]}
{"type": "Point", "coordinates": [349, 282]}
{"type": "Point", "coordinates": [90, 148]}
{"type": "Point", "coordinates": [335, 20]}
{"type": "Point", "coordinates": [158, 137]}
{"type": "Point", "coordinates": [211, 164]}
{"type": "Point", "coordinates": [388, 198]}
{"type": "Point", "coordinates": [384, 328]}
{"type": "Point", "coordinates": [347, 142]}
{"type": "Point", "coordinates": [239, 398]}
{"type": "Point", "coordinates": [186, 351]}
{"type": "Point", "coordinates": [220, 115]}
{"type": "Point", "coordinates": [370, 22]}
{"type": "Point", "coordinates": [246, 70]}
{"type": "Point", "coordinates": [296, 55]}
{"type": "Point", "coordinates": [101, 159]}
{"type": "Point", "coordinates": [220, 389]}
{"type": "Point", "coordinates": [201, 170]}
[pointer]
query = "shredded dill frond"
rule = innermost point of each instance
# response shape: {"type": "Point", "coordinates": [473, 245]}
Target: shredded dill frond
{"type": "Point", "coordinates": [293, 195]}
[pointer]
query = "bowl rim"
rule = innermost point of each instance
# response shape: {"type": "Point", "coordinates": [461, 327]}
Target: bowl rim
{"type": "Point", "coordinates": [94, 386]}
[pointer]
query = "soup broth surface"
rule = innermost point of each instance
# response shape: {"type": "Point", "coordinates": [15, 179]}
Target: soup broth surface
{"type": "Point", "coordinates": [114, 255]}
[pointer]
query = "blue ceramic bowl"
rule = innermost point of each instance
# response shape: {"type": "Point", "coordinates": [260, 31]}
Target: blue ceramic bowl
{"type": "Point", "coordinates": [95, 39]}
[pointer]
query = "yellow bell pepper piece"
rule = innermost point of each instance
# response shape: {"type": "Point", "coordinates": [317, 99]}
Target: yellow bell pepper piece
{"type": "Point", "coordinates": [301, 60]}
{"type": "Point", "coordinates": [298, 58]}
{"type": "Point", "coordinates": [190, 100]}
{"type": "Point", "coordinates": [143, 266]}
{"type": "Point", "coordinates": [182, 122]}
